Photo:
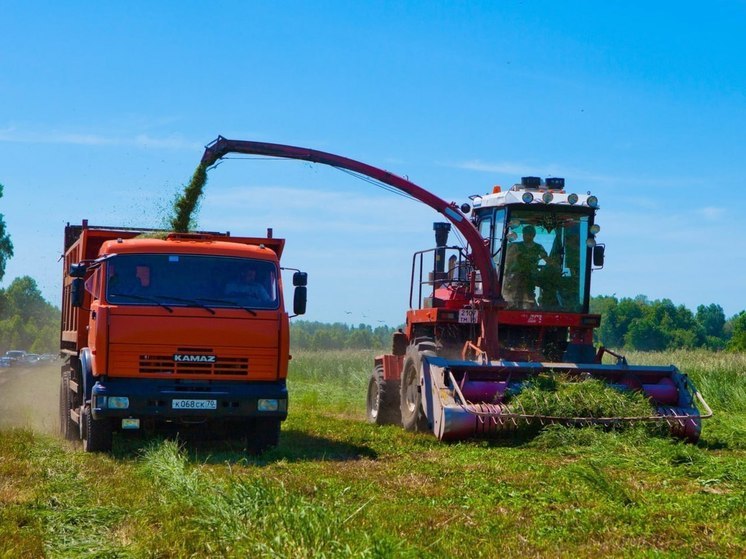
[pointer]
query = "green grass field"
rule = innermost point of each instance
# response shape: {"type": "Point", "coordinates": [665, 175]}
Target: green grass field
{"type": "Point", "coordinates": [338, 487]}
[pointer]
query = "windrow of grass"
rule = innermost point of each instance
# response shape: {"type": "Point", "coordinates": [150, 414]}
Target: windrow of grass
{"type": "Point", "coordinates": [339, 487]}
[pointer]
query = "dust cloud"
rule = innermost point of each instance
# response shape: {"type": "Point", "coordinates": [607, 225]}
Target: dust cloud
{"type": "Point", "coordinates": [29, 397]}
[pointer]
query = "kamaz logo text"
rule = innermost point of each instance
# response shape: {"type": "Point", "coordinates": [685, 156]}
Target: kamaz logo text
{"type": "Point", "coordinates": [186, 358]}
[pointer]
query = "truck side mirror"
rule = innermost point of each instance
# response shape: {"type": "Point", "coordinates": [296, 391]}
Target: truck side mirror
{"type": "Point", "coordinates": [300, 279]}
{"type": "Point", "coordinates": [77, 292]}
{"type": "Point", "coordinates": [299, 299]}
{"type": "Point", "coordinates": [598, 255]}
{"type": "Point", "coordinates": [78, 270]}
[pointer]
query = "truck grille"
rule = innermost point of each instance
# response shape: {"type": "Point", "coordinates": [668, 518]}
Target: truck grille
{"type": "Point", "coordinates": [165, 365]}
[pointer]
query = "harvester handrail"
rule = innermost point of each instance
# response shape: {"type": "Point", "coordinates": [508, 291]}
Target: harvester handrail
{"type": "Point", "coordinates": [419, 257]}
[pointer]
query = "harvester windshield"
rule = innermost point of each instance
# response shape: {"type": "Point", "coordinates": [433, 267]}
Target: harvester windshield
{"type": "Point", "coordinates": [546, 261]}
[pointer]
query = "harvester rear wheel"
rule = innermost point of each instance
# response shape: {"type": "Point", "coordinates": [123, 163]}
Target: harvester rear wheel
{"type": "Point", "coordinates": [383, 407]}
{"type": "Point", "coordinates": [97, 434]}
{"type": "Point", "coordinates": [412, 415]}
{"type": "Point", "coordinates": [68, 428]}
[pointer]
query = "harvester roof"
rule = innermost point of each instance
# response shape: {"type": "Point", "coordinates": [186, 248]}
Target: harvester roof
{"type": "Point", "coordinates": [533, 190]}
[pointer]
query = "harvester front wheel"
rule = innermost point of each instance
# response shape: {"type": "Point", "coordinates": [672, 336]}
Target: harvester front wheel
{"type": "Point", "coordinates": [383, 407]}
{"type": "Point", "coordinates": [97, 434]}
{"type": "Point", "coordinates": [412, 415]}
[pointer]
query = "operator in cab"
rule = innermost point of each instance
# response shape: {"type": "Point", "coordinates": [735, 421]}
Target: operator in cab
{"type": "Point", "coordinates": [522, 269]}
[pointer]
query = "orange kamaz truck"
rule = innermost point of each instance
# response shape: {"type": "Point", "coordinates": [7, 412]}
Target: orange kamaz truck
{"type": "Point", "coordinates": [173, 328]}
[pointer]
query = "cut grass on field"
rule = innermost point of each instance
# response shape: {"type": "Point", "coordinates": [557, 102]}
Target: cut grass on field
{"type": "Point", "coordinates": [559, 396]}
{"type": "Point", "coordinates": [339, 487]}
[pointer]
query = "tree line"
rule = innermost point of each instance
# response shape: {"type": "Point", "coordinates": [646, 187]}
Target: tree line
{"type": "Point", "coordinates": [27, 320]}
{"type": "Point", "coordinates": [628, 323]}
{"type": "Point", "coordinates": [320, 336]}
{"type": "Point", "coordinates": [641, 324]}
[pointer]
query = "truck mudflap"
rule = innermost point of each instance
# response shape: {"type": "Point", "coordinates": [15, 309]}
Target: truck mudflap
{"type": "Point", "coordinates": [135, 398]}
{"type": "Point", "coordinates": [462, 399]}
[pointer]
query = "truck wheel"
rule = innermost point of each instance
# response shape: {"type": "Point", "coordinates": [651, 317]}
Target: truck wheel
{"type": "Point", "coordinates": [412, 415]}
{"type": "Point", "coordinates": [68, 428]}
{"type": "Point", "coordinates": [97, 434]}
{"type": "Point", "coordinates": [265, 434]}
{"type": "Point", "coordinates": [383, 406]}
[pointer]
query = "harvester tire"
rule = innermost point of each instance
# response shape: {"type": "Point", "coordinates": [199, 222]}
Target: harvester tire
{"type": "Point", "coordinates": [68, 428]}
{"type": "Point", "coordinates": [264, 435]}
{"type": "Point", "coordinates": [97, 434]}
{"type": "Point", "coordinates": [412, 415]}
{"type": "Point", "coordinates": [383, 406]}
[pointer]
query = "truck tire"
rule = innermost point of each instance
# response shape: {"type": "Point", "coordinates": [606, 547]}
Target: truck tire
{"type": "Point", "coordinates": [68, 428]}
{"type": "Point", "coordinates": [97, 434]}
{"type": "Point", "coordinates": [412, 415]}
{"type": "Point", "coordinates": [264, 434]}
{"type": "Point", "coordinates": [383, 406]}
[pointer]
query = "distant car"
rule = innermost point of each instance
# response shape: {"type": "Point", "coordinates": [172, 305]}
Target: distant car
{"type": "Point", "coordinates": [5, 362]}
{"type": "Point", "coordinates": [30, 359]}
{"type": "Point", "coordinates": [16, 355]}
{"type": "Point", "coordinates": [48, 357]}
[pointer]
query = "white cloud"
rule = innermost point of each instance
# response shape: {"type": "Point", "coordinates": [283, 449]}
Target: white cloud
{"type": "Point", "coordinates": [711, 213]}
{"type": "Point", "coordinates": [13, 135]}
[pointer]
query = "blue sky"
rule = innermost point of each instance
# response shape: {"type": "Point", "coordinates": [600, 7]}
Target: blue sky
{"type": "Point", "coordinates": [105, 109]}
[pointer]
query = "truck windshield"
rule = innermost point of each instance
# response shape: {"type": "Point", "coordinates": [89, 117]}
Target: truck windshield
{"type": "Point", "coordinates": [174, 280]}
{"type": "Point", "coordinates": [546, 261]}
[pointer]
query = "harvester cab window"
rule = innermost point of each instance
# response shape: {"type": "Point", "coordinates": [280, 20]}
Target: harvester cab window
{"type": "Point", "coordinates": [546, 261]}
{"type": "Point", "coordinates": [491, 227]}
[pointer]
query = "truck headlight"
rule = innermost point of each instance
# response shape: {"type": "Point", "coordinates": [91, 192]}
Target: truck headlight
{"type": "Point", "coordinates": [267, 404]}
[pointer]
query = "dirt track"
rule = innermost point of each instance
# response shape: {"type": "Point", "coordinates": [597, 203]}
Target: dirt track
{"type": "Point", "coordinates": [29, 397]}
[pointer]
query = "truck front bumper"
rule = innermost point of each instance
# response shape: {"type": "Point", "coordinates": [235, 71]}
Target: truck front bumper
{"type": "Point", "coordinates": [174, 400]}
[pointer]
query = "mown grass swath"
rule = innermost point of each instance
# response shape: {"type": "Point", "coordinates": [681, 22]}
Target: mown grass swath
{"type": "Point", "coordinates": [339, 487]}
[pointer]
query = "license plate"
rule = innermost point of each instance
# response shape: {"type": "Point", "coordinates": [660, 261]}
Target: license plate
{"type": "Point", "coordinates": [184, 404]}
{"type": "Point", "coordinates": [467, 316]}
{"type": "Point", "coordinates": [130, 423]}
